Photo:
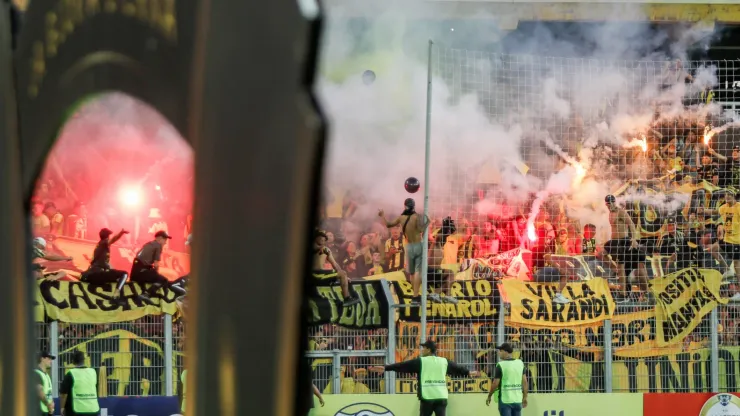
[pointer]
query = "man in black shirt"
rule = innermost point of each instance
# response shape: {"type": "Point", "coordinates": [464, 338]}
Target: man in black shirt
{"type": "Point", "coordinates": [414, 366]}
{"type": "Point", "coordinates": [146, 267]}
{"type": "Point", "coordinates": [730, 173]}
{"type": "Point", "coordinates": [707, 170]}
{"type": "Point", "coordinates": [100, 271]}
{"type": "Point", "coordinates": [81, 388]}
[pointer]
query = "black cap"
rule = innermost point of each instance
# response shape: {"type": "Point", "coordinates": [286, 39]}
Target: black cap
{"type": "Point", "coordinates": [162, 234]}
{"type": "Point", "coordinates": [430, 344]}
{"type": "Point", "coordinates": [105, 233]}
{"type": "Point", "coordinates": [670, 220]}
{"type": "Point", "coordinates": [46, 354]}
{"type": "Point", "coordinates": [736, 147]}
{"type": "Point", "coordinates": [506, 347]}
{"type": "Point", "coordinates": [610, 199]}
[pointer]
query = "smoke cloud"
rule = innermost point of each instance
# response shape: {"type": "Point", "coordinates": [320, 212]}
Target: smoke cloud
{"type": "Point", "coordinates": [533, 117]}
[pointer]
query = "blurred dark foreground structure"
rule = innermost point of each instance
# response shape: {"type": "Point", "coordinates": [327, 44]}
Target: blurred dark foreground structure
{"type": "Point", "coordinates": [225, 76]}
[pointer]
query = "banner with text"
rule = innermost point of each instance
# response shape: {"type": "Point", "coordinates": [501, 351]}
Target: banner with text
{"type": "Point", "coordinates": [94, 303]}
{"type": "Point", "coordinates": [683, 298]}
{"type": "Point", "coordinates": [532, 304]}
{"type": "Point", "coordinates": [326, 306]}
{"type": "Point", "coordinates": [633, 336]}
{"type": "Point", "coordinates": [509, 263]}
{"type": "Point", "coordinates": [127, 364]}
{"type": "Point", "coordinates": [476, 302]}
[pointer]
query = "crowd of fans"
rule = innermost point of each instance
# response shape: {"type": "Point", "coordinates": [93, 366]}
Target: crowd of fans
{"type": "Point", "coordinates": [671, 161]}
{"type": "Point", "coordinates": [57, 211]}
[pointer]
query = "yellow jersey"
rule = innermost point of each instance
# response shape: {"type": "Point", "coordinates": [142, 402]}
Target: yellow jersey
{"type": "Point", "coordinates": [730, 216]}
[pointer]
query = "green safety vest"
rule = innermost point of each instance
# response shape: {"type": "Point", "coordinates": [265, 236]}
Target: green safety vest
{"type": "Point", "coordinates": [510, 388]}
{"type": "Point", "coordinates": [84, 390]}
{"type": "Point", "coordinates": [47, 389]}
{"type": "Point", "coordinates": [184, 389]}
{"type": "Point", "coordinates": [433, 378]}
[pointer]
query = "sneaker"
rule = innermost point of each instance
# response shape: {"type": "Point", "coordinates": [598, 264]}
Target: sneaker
{"type": "Point", "coordinates": [450, 299]}
{"type": "Point", "coordinates": [351, 301]}
{"type": "Point", "coordinates": [729, 274]}
{"type": "Point", "coordinates": [735, 297]}
{"type": "Point", "coordinates": [415, 301]}
{"type": "Point", "coordinates": [622, 298]}
{"type": "Point", "coordinates": [559, 298]}
{"type": "Point", "coordinates": [434, 297]}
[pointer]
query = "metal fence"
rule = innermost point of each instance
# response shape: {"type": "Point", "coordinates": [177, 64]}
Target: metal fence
{"type": "Point", "coordinates": [618, 355]}
{"type": "Point", "coordinates": [137, 358]}
{"type": "Point", "coordinates": [145, 357]}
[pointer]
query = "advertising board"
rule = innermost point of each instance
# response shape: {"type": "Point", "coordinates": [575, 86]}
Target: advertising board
{"type": "Point", "coordinates": [692, 404]}
{"type": "Point", "coordinates": [566, 404]}
{"type": "Point", "coordinates": [137, 406]}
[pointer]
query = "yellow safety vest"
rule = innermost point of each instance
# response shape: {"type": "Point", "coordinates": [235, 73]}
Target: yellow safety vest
{"type": "Point", "coordinates": [433, 378]}
{"type": "Point", "coordinates": [84, 390]}
{"type": "Point", "coordinates": [47, 389]}
{"type": "Point", "coordinates": [510, 389]}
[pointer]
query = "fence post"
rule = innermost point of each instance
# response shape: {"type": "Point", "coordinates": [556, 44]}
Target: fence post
{"type": "Point", "coordinates": [168, 360]}
{"type": "Point", "coordinates": [54, 350]}
{"type": "Point", "coordinates": [390, 376]}
{"type": "Point", "coordinates": [608, 355]}
{"type": "Point", "coordinates": [336, 370]}
{"type": "Point", "coordinates": [714, 351]}
{"type": "Point", "coordinates": [501, 324]}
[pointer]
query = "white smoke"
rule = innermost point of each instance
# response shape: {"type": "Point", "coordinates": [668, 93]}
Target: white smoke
{"type": "Point", "coordinates": [478, 133]}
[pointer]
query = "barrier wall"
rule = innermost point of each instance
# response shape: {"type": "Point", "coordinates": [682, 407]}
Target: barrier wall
{"type": "Point", "coordinates": [566, 404]}
{"type": "Point", "coordinates": [691, 404]}
{"type": "Point", "coordinates": [136, 406]}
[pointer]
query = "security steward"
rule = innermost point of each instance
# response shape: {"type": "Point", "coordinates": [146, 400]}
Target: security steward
{"type": "Point", "coordinates": [509, 383]}
{"type": "Point", "coordinates": [431, 374]}
{"type": "Point", "coordinates": [79, 390]}
{"type": "Point", "coordinates": [44, 384]}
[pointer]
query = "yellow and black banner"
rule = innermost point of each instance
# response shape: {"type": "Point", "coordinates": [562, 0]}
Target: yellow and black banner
{"type": "Point", "coordinates": [683, 298]}
{"type": "Point", "coordinates": [327, 305]}
{"type": "Point", "coordinates": [532, 304]}
{"type": "Point", "coordinates": [127, 364]}
{"type": "Point", "coordinates": [94, 303]}
{"type": "Point", "coordinates": [475, 303]}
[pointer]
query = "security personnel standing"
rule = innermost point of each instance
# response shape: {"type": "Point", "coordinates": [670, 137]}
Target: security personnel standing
{"type": "Point", "coordinates": [79, 390]}
{"type": "Point", "coordinates": [509, 383]}
{"type": "Point", "coordinates": [44, 385]}
{"type": "Point", "coordinates": [431, 374]}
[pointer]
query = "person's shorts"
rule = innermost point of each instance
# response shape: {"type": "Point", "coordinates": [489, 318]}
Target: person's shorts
{"type": "Point", "coordinates": [547, 275]}
{"type": "Point", "coordinates": [730, 250]}
{"type": "Point", "coordinates": [414, 253]}
{"type": "Point", "coordinates": [102, 276]}
{"type": "Point", "coordinates": [621, 251]}
{"type": "Point", "coordinates": [435, 277]}
{"type": "Point", "coordinates": [147, 276]}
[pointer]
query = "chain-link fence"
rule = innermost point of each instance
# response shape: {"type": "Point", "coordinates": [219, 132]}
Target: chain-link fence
{"type": "Point", "coordinates": [136, 358]}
